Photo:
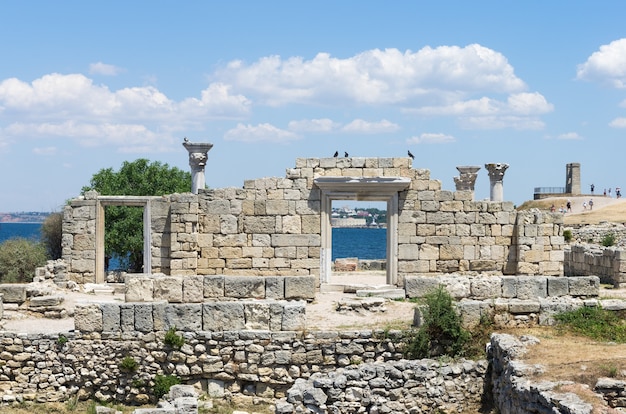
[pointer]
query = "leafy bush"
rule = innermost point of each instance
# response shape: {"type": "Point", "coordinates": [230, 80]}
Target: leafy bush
{"type": "Point", "coordinates": [567, 235]}
{"type": "Point", "coordinates": [594, 322]}
{"type": "Point", "coordinates": [608, 240]}
{"type": "Point", "coordinates": [441, 332]}
{"type": "Point", "coordinates": [172, 339]}
{"type": "Point", "coordinates": [51, 235]}
{"type": "Point", "coordinates": [163, 383]}
{"type": "Point", "coordinates": [128, 364]}
{"type": "Point", "coordinates": [19, 257]}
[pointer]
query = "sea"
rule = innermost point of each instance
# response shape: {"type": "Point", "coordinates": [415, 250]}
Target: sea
{"type": "Point", "coordinates": [364, 243]}
{"type": "Point", "coordinates": [23, 230]}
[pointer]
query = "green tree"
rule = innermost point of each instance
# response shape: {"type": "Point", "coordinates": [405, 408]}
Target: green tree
{"type": "Point", "coordinates": [51, 235]}
{"type": "Point", "coordinates": [123, 225]}
{"type": "Point", "coordinates": [19, 257]}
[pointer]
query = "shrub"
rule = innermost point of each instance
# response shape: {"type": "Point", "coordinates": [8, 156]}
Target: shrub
{"type": "Point", "coordinates": [19, 257]}
{"type": "Point", "coordinates": [163, 383]}
{"type": "Point", "coordinates": [567, 235]}
{"type": "Point", "coordinates": [441, 332]}
{"type": "Point", "coordinates": [128, 364]}
{"type": "Point", "coordinates": [51, 235]}
{"type": "Point", "coordinates": [608, 240]}
{"type": "Point", "coordinates": [172, 339]}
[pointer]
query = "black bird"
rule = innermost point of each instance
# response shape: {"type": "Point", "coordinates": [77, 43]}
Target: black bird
{"type": "Point", "coordinates": [336, 154]}
{"type": "Point", "coordinates": [411, 155]}
{"type": "Point", "coordinates": [345, 154]}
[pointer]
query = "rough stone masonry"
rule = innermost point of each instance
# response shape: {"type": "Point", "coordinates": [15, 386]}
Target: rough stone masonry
{"type": "Point", "coordinates": [279, 226]}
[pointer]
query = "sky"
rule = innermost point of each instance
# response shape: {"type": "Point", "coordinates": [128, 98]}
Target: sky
{"type": "Point", "coordinates": [88, 85]}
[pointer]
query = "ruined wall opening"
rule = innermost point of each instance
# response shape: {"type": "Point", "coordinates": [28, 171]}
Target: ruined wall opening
{"type": "Point", "coordinates": [104, 202]}
{"type": "Point", "coordinates": [380, 189]}
{"type": "Point", "coordinates": [359, 237]}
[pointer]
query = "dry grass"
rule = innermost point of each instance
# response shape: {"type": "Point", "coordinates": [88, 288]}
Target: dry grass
{"type": "Point", "coordinates": [614, 211]}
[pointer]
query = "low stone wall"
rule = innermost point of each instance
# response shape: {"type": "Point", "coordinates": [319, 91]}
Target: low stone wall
{"type": "Point", "coordinates": [508, 287]}
{"type": "Point", "coordinates": [197, 289]}
{"type": "Point", "coordinates": [608, 263]}
{"type": "Point", "coordinates": [513, 390]}
{"type": "Point", "coordinates": [56, 367]}
{"type": "Point", "coordinates": [393, 387]}
{"type": "Point", "coordinates": [210, 316]}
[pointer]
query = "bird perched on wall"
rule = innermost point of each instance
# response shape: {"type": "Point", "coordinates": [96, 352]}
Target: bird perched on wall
{"type": "Point", "coordinates": [336, 154]}
{"type": "Point", "coordinates": [411, 155]}
{"type": "Point", "coordinates": [345, 154]}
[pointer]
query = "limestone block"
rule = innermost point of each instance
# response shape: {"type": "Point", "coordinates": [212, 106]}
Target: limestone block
{"type": "Point", "coordinates": [300, 287]}
{"type": "Point", "coordinates": [470, 312]}
{"type": "Point", "coordinates": [451, 252]}
{"type": "Point", "coordinates": [169, 289]}
{"type": "Point", "coordinates": [13, 292]}
{"type": "Point", "coordinates": [584, 286]}
{"type": "Point", "coordinates": [110, 317]}
{"type": "Point", "coordinates": [279, 240]}
{"type": "Point", "coordinates": [193, 289]}
{"type": "Point", "coordinates": [223, 316]}
{"type": "Point", "coordinates": [45, 301]}
{"type": "Point", "coordinates": [259, 224]}
{"type": "Point", "coordinates": [158, 316]}
{"type": "Point", "coordinates": [527, 268]}
{"type": "Point", "coordinates": [138, 289]}
{"type": "Point", "coordinates": [88, 318]}
{"type": "Point", "coordinates": [292, 225]}
{"type": "Point", "coordinates": [257, 315]}
{"type": "Point", "coordinates": [127, 317]}
{"type": "Point", "coordinates": [143, 317]}
{"type": "Point", "coordinates": [517, 306]}
{"type": "Point", "coordinates": [419, 286]}
{"type": "Point", "coordinates": [183, 316]}
{"type": "Point", "coordinates": [244, 287]}
{"type": "Point", "coordinates": [213, 286]}
{"type": "Point", "coordinates": [509, 286]}
{"type": "Point", "coordinates": [294, 316]}
{"type": "Point", "coordinates": [275, 287]}
{"type": "Point", "coordinates": [458, 287]}
{"type": "Point", "coordinates": [486, 287]}
{"type": "Point", "coordinates": [428, 252]}
{"type": "Point", "coordinates": [558, 286]}
{"type": "Point", "coordinates": [532, 287]}
{"type": "Point", "coordinates": [408, 251]}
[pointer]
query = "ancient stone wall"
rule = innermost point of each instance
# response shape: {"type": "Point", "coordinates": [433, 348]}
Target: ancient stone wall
{"type": "Point", "coordinates": [274, 226]}
{"type": "Point", "coordinates": [608, 263]}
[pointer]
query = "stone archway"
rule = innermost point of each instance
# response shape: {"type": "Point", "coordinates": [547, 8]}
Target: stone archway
{"type": "Point", "coordinates": [360, 189]}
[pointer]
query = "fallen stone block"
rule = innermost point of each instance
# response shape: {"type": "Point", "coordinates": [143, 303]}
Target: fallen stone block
{"type": "Point", "coordinates": [45, 301]}
{"type": "Point", "coordinates": [13, 292]}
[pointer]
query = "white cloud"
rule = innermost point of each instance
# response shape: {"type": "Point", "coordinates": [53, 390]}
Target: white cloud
{"type": "Point", "coordinates": [569, 136]}
{"type": "Point", "coordinates": [618, 123]}
{"type": "Point", "coordinates": [378, 77]}
{"type": "Point", "coordinates": [72, 106]}
{"type": "Point", "coordinates": [366, 127]}
{"type": "Point", "coordinates": [607, 65]}
{"type": "Point", "coordinates": [313, 125]}
{"type": "Point", "coordinates": [100, 68]}
{"type": "Point", "coordinates": [259, 133]}
{"type": "Point", "coordinates": [429, 138]}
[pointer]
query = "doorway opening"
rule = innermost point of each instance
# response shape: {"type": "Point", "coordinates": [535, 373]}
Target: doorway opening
{"type": "Point", "coordinates": [367, 189]}
{"type": "Point", "coordinates": [359, 235]}
{"type": "Point", "coordinates": [143, 205]}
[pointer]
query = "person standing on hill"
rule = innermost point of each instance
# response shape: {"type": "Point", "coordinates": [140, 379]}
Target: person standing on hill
{"type": "Point", "coordinates": [590, 204]}
{"type": "Point", "coordinates": [569, 206]}
{"type": "Point", "coordinates": [592, 188]}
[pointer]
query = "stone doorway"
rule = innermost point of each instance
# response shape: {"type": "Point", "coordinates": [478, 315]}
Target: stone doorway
{"type": "Point", "coordinates": [384, 189]}
{"type": "Point", "coordinates": [131, 201]}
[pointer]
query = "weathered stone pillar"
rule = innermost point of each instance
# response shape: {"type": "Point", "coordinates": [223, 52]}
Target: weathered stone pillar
{"type": "Point", "coordinates": [496, 175]}
{"type": "Point", "coordinates": [572, 178]}
{"type": "Point", "coordinates": [467, 179]}
{"type": "Point", "coordinates": [197, 161]}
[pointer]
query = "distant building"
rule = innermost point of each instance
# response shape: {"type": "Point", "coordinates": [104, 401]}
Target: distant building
{"type": "Point", "coordinates": [572, 184]}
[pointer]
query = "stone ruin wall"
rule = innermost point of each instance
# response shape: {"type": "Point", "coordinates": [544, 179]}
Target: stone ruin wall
{"type": "Point", "coordinates": [272, 226]}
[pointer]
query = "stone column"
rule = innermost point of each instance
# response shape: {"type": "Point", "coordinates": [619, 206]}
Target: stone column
{"type": "Point", "coordinates": [496, 175]}
{"type": "Point", "coordinates": [197, 161]}
{"type": "Point", "coordinates": [467, 179]}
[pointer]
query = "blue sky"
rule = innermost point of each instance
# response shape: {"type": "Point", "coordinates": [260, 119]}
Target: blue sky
{"type": "Point", "coordinates": [88, 85]}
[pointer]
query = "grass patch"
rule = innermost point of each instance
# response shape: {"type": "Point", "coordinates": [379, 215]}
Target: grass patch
{"type": "Point", "coordinates": [594, 322]}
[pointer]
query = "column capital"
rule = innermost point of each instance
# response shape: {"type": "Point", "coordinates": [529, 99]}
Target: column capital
{"type": "Point", "coordinates": [197, 161]}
